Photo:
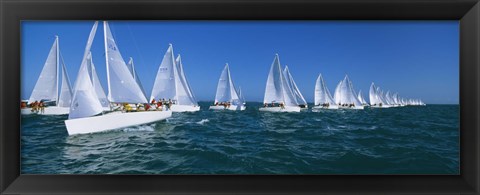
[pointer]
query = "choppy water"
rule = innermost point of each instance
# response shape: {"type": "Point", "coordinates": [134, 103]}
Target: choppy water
{"type": "Point", "coordinates": [406, 140]}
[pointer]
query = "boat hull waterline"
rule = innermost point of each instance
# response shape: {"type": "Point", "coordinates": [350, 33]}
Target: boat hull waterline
{"type": "Point", "coordinates": [280, 109]}
{"type": "Point", "coordinates": [113, 120]}
{"type": "Point", "coordinates": [184, 108]}
{"type": "Point", "coordinates": [53, 110]}
{"type": "Point", "coordinates": [326, 108]}
{"type": "Point", "coordinates": [232, 107]}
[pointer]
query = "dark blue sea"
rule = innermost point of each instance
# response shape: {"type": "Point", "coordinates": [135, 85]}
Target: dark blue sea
{"type": "Point", "coordinates": [402, 140]}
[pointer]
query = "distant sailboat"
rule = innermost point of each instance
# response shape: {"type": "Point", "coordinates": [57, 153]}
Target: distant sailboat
{"type": "Point", "coordinates": [323, 98]}
{"type": "Point", "coordinates": [47, 87]}
{"type": "Point", "coordinates": [241, 95]}
{"type": "Point", "coordinates": [122, 88]}
{"type": "Point", "coordinates": [227, 97]}
{"type": "Point", "coordinates": [293, 87]}
{"type": "Point", "coordinates": [345, 96]}
{"type": "Point", "coordinates": [171, 85]}
{"type": "Point", "coordinates": [376, 98]}
{"type": "Point", "coordinates": [362, 99]}
{"type": "Point", "coordinates": [277, 91]}
{"type": "Point", "coordinates": [131, 68]}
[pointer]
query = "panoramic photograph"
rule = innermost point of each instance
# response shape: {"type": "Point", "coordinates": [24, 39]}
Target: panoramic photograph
{"type": "Point", "coordinates": [240, 97]}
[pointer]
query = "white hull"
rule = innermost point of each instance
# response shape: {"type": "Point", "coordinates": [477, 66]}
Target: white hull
{"type": "Point", "coordinates": [52, 110]}
{"type": "Point", "coordinates": [232, 107]}
{"type": "Point", "coordinates": [383, 106]}
{"type": "Point", "coordinates": [352, 108]}
{"type": "Point", "coordinates": [113, 120]}
{"type": "Point", "coordinates": [328, 108]}
{"type": "Point", "coordinates": [184, 108]}
{"type": "Point", "coordinates": [279, 109]}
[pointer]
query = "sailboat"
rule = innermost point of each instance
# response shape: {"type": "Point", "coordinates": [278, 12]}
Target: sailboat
{"type": "Point", "coordinates": [131, 68]}
{"type": "Point", "coordinates": [172, 85]}
{"type": "Point", "coordinates": [277, 91]}
{"type": "Point", "coordinates": [345, 96]}
{"type": "Point", "coordinates": [323, 98]}
{"type": "Point", "coordinates": [122, 88]}
{"type": "Point", "coordinates": [293, 87]}
{"type": "Point", "coordinates": [240, 94]}
{"type": "Point", "coordinates": [47, 87]}
{"type": "Point", "coordinates": [361, 98]}
{"type": "Point", "coordinates": [376, 98]}
{"type": "Point", "coordinates": [227, 96]}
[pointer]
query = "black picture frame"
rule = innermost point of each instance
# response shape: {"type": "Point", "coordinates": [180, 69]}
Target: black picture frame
{"type": "Point", "coordinates": [14, 11]}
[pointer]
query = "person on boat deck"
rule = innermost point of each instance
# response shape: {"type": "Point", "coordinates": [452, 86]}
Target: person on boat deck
{"type": "Point", "coordinates": [159, 104]}
{"type": "Point", "coordinates": [169, 104]}
{"type": "Point", "coordinates": [41, 106]}
{"type": "Point", "coordinates": [216, 103]}
{"type": "Point", "coordinates": [265, 105]}
{"type": "Point", "coordinates": [139, 105]}
{"type": "Point", "coordinates": [380, 104]}
{"type": "Point", "coordinates": [23, 105]}
{"type": "Point", "coordinates": [146, 106]}
{"type": "Point", "coordinates": [273, 104]}
{"type": "Point", "coordinates": [127, 107]}
{"type": "Point", "coordinates": [281, 105]}
{"type": "Point", "coordinates": [153, 101]}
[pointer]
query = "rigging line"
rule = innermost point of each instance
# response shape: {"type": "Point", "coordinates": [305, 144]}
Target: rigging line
{"type": "Point", "coordinates": [136, 45]}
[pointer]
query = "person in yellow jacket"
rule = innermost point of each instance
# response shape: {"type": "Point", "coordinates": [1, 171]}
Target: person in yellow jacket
{"type": "Point", "coordinates": [127, 107]}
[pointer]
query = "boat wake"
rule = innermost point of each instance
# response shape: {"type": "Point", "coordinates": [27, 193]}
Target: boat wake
{"type": "Point", "coordinates": [202, 121]}
{"type": "Point", "coordinates": [150, 127]}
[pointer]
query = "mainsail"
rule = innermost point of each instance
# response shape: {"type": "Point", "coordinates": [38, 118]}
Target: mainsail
{"type": "Point", "coordinates": [192, 100]}
{"type": "Point", "coordinates": [122, 86]}
{"type": "Point", "coordinates": [131, 68]}
{"type": "Point", "coordinates": [374, 99]}
{"type": "Point", "coordinates": [361, 98]}
{"type": "Point", "coordinates": [46, 87]}
{"type": "Point", "coordinates": [293, 87]}
{"type": "Point", "coordinates": [322, 94]}
{"type": "Point", "coordinates": [65, 97]}
{"type": "Point", "coordinates": [226, 91]}
{"type": "Point", "coordinates": [277, 90]}
{"type": "Point", "coordinates": [96, 82]}
{"type": "Point", "coordinates": [85, 100]}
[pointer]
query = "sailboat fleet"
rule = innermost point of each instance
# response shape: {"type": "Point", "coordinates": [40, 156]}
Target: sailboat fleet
{"type": "Point", "coordinates": [125, 104]}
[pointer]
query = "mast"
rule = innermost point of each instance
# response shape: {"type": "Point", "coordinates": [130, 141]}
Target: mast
{"type": "Point", "coordinates": [175, 74]}
{"type": "Point", "coordinates": [106, 59]}
{"type": "Point", "coordinates": [58, 67]}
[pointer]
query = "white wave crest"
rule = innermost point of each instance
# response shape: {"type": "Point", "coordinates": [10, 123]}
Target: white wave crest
{"type": "Point", "coordinates": [202, 121]}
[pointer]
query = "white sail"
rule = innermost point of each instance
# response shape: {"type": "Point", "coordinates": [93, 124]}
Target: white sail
{"type": "Point", "coordinates": [191, 100]}
{"type": "Point", "coordinates": [169, 83]}
{"type": "Point", "coordinates": [65, 97]}
{"type": "Point", "coordinates": [96, 82]}
{"type": "Point", "coordinates": [361, 98]}
{"type": "Point", "coordinates": [46, 87]}
{"type": "Point", "coordinates": [164, 86]}
{"type": "Point", "coordinates": [122, 87]}
{"type": "Point", "coordinates": [131, 68]}
{"type": "Point", "coordinates": [345, 94]}
{"type": "Point", "coordinates": [291, 83]}
{"type": "Point", "coordinates": [226, 90]}
{"type": "Point", "coordinates": [373, 95]}
{"type": "Point", "coordinates": [223, 87]}
{"type": "Point", "coordinates": [240, 94]}
{"type": "Point", "coordinates": [322, 94]}
{"type": "Point", "coordinates": [85, 100]}
{"type": "Point", "coordinates": [274, 87]}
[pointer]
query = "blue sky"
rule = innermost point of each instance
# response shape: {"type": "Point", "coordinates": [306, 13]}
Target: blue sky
{"type": "Point", "coordinates": [417, 59]}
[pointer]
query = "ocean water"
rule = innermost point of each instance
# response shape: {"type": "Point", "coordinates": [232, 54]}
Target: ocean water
{"type": "Point", "coordinates": [403, 140]}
